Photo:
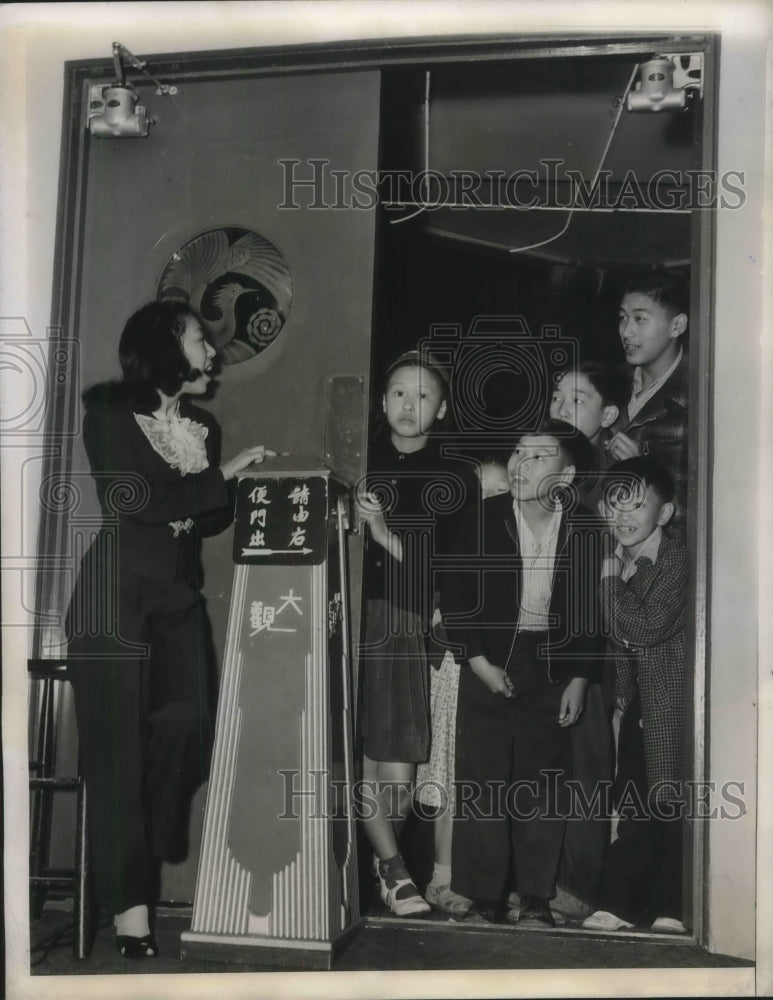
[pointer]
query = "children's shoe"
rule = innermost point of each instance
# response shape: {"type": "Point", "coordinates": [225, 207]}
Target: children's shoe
{"type": "Point", "coordinates": [514, 908]}
{"type": "Point", "coordinates": [403, 898]}
{"type": "Point", "coordinates": [568, 906]}
{"type": "Point", "coordinates": [534, 911]}
{"type": "Point", "coordinates": [442, 897]}
{"type": "Point", "coordinates": [603, 920]}
{"type": "Point", "coordinates": [398, 890]}
{"type": "Point", "coordinates": [668, 925]}
{"type": "Point", "coordinates": [486, 911]}
{"type": "Point", "coordinates": [514, 912]}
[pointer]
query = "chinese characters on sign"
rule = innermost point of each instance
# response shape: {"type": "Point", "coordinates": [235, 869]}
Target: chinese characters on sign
{"type": "Point", "coordinates": [281, 521]}
{"type": "Point", "coordinates": [263, 616]}
{"type": "Point", "coordinates": [300, 499]}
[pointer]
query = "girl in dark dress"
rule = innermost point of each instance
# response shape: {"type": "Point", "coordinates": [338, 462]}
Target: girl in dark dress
{"type": "Point", "coordinates": [136, 623]}
{"type": "Point", "coordinates": [408, 483]}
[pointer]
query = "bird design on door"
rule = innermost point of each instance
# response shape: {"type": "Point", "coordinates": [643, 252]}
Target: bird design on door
{"type": "Point", "coordinates": [238, 283]}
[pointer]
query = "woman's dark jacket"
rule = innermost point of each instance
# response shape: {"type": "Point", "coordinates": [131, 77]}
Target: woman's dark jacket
{"type": "Point", "coordinates": [141, 495]}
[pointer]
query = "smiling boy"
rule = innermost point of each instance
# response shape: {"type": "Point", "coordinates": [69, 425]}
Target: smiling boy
{"type": "Point", "coordinates": [521, 606]}
{"type": "Point", "coordinates": [652, 322]}
{"type": "Point", "coordinates": [643, 589]}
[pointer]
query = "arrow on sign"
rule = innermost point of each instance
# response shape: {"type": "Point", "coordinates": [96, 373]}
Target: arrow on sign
{"type": "Point", "coordinates": [275, 552]}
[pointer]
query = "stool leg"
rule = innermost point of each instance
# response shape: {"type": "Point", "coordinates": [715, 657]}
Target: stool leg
{"type": "Point", "coordinates": [81, 882]}
{"type": "Point", "coordinates": [41, 801]}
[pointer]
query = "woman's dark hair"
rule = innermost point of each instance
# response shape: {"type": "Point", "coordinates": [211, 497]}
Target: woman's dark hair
{"type": "Point", "coordinates": [151, 354]}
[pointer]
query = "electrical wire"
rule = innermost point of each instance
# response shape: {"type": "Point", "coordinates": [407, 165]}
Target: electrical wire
{"type": "Point", "coordinates": [555, 236]}
{"type": "Point", "coordinates": [422, 206]}
{"type": "Point", "coordinates": [615, 123]}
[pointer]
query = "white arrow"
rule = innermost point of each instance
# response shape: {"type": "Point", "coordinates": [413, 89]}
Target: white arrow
{"type": "Point", "coordinates": [275, 552]}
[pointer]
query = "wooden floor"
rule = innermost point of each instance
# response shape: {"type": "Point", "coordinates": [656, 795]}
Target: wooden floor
{"type": "Point", "coordinates": [384, 943]}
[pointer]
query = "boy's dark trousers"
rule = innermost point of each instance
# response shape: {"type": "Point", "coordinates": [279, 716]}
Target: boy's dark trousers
{"type": "Point", "coordinates": [642, 877]}
{"type": "Point", "coordinates": [501, 744]}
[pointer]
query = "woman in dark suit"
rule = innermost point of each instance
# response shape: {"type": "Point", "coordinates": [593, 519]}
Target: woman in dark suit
{"type": "Point", "coordinates": [136, 622]}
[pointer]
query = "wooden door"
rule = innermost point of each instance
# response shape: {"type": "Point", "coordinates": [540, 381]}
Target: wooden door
{"type": "Point", "coordinates": [211, 169]}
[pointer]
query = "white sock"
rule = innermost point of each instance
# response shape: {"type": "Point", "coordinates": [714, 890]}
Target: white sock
{"type": "Point", "coordinates": [132, 922]}
{"type": "Point", "coordinates": [441, 875]}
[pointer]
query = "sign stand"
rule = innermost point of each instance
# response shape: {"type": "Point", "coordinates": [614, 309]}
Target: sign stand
{"type": "Point", "coordinates": [277, 879]}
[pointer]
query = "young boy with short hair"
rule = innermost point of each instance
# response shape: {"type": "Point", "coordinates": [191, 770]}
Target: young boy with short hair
{"type": "Point", "coordinates": [520, 606]}
{"type": "Point", "coordinates": [643, 587]}
{"type": "Point", "coordinates": [652, 324]}
{"type": "Point", "coordinates": [591, 397]}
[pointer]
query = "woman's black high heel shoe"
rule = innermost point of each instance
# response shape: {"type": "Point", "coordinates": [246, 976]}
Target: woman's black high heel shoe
{"type": "Point", "coordinates": [134, 947]}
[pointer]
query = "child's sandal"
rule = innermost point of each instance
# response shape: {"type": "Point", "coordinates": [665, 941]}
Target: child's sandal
{"type": "Point", "coordinates": [403, 898]}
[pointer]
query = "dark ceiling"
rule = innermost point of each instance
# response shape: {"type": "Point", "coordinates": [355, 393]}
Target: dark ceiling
{"type": "Point", "coordinates": [508, 118]}
{"type": "Point", "coordinates": [591, 239]}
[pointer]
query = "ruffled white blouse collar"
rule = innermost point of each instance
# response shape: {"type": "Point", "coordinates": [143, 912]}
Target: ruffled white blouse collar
{"type": "Point", "coordinates": [178, 440]}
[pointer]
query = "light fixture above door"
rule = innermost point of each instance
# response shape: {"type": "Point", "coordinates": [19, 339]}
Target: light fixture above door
{"type": "Point", "coordinates": [113, 111]}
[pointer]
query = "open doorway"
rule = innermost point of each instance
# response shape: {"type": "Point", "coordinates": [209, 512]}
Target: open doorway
{"type": "Point", "coordinates": [517, 199]}
{"type": "Point", "coordinates": [463, 246]}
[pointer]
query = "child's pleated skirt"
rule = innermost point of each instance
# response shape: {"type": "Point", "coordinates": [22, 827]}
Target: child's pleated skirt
{"type": "Point", "coordinates": [394, 719]}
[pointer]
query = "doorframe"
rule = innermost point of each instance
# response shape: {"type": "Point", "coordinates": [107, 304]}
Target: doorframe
{"type": "Point", "coordinates": [232, 64]}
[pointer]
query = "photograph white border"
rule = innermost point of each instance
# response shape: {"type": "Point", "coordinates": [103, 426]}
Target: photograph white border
{"type": "Point", "coordinates": [35, 42]}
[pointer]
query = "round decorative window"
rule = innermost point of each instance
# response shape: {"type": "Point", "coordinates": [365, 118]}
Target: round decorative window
{"type": "Point", "coordinates": [238, 283]}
